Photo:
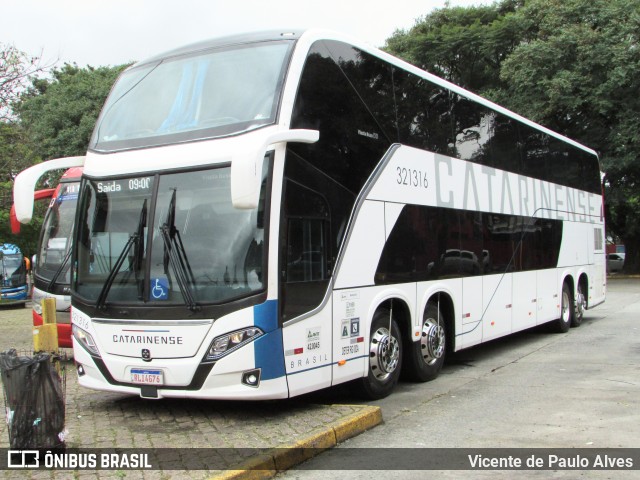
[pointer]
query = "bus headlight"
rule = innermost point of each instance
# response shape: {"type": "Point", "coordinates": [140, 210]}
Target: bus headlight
{"type": "Point", "coordinates": [85, 339]}
{"type": "Point", "coordinates": [227, 343]}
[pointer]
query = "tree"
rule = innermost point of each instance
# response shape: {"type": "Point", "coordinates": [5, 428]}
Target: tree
{"type": "Point", "coordinates": [16, 71]}
{"type": "Point", "coordinates": [577, 73]}
{"type": "Point", "coordinates": [59, 113]}
{"type": "Point", "coordinates": [15, 156]}
{"type": "Point", "coordinates": [52, 117]}
{"type": "Point", "coordinates": [463, 45]}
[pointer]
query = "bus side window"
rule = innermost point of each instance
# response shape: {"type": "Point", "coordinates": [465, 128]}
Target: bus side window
{"type": "Point", "coordinates": [306, 251]}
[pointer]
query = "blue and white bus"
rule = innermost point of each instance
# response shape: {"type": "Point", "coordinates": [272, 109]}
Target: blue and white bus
{"type": "Point", "coordinates": [13, 268]}
{"type": "Point", "coordinates": [267, 215]}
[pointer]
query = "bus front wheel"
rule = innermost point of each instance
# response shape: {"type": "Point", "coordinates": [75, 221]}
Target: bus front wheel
{"type": "Point", "coordinates": [562, 324]}
{"type": "Point", "coordinates": [424, 359]}
{"type": "Point", "coordinates": [385, 357]}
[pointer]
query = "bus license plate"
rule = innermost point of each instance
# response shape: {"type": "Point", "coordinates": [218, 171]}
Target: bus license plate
{"type": "Point", "coordinates": [146, 377]}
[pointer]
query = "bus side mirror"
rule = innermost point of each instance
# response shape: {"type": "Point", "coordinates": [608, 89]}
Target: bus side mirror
{"type": "Point", "coordinates": [246, 166]}
{"type": "Point", "coordinates": [25, 184]}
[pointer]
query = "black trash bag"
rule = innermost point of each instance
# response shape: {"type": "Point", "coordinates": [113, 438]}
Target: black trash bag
{"type": "Point", "coordinates": [34, 398]}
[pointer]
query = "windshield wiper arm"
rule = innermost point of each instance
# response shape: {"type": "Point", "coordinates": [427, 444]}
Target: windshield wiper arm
{"type": "Point", "coordinates": [138, 253]}
{"type": "Point", "coordinates": [175, 254]}
{"type": "Point", "coordinates": [136, 238]}
{"type": "Point", "coordinates": [59, 271]}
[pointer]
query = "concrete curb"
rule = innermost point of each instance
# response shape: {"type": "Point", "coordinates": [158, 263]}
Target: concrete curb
{"type": "Point", "coordinates": [285, 457]}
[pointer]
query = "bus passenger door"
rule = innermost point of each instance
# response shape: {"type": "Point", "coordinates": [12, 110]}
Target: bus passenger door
{"type": "Point", "coordinates": [304, 279]}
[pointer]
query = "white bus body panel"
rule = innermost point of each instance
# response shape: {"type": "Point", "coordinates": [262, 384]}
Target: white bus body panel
{"type": "Point", "coordinates": [364, 245]}
{"type": "Point", "coordinates": [488, 306]}
{"type": "Point", "coordinates": [548, 296]}
{"type": "Point", "coordinates": [224, 379]}
{"type": "Point", "coordinates": [524, 299]}
{"type": "Point", "coordinates": [307, 352]}
{"type": "Point", "coordinates": [469, 331]}
{"type": "Point", "coordinates": [497, 306]}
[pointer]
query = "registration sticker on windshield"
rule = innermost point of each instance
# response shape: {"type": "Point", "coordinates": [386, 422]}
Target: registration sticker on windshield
{"type": "Point", "coordinates": [145, 376]}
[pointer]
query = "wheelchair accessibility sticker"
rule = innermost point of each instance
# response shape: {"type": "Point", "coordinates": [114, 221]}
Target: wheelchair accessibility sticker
{"type": "Point", "coordinates": [160, 288]}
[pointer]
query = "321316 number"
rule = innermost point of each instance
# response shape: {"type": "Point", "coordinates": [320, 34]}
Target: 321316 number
{"type": "Point", "coordinates": [410, 177]}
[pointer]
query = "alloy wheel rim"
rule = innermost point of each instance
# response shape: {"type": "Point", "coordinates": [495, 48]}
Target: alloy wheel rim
{"type": "Point", "coordinates": [432, 341]}
{"type": "Point", "coordinates": [565, 307]}
{"type": "Point", "coordinates": [384, 354]}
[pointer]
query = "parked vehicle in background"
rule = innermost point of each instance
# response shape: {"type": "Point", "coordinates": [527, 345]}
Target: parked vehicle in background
{"type": "Point", "coordinates": [615, 262]}
{"type": "Point", "coordinates": [51, 266]}
{"type": "Point", "coordinates": [14, 275]}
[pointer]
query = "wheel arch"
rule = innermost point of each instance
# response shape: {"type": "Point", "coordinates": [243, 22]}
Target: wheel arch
{"type": "Point", "coordinates": [569, 280]}
{"type": "Point", "coordinates": [400, 306]}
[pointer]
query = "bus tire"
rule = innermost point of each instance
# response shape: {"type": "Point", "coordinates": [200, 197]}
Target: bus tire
{"type": "Point", "coordinates": [580, 306]}
{"type": "Point", "coordinates": [385, 357]}
{"type": "Point", "coordinates": [562, 324]}
{"type": "Point", "coordinates": [424, 359]}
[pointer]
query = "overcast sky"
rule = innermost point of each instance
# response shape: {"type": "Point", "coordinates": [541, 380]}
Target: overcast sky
{"type": "Point", "coordinates": [112, 32]}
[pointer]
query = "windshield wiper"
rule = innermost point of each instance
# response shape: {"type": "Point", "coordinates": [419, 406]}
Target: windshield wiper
{"type": "Point", "coordinates": [175, 254]}
{"type": "Point", "coordinates": [138, 253]}
{"type": "Point", "coordinates": [134, 238]}
{"type": "Point", "coordinates": [59, 270]}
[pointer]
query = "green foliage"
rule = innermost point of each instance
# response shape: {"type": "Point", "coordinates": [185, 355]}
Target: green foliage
{"type": "Point", "coordinates": [15, 151]}
{"type": "Point", "coordinates": [52, 118]}
{"type": "Point", "coordinates": [15, 156]}
{"type": "Point", "coordinates": [463, 45]}
{"type": "Point", "coordinates": [29, 234]}
{"type": "Point", "coordinates": [59, 113]}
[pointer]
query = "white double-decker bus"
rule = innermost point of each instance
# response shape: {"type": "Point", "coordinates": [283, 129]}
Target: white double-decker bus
{"type": "Point", "coordinates": [268, 215]}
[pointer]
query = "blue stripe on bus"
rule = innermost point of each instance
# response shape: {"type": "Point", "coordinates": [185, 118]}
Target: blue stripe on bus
{"type": "Point", "coordinates": [269, 349]}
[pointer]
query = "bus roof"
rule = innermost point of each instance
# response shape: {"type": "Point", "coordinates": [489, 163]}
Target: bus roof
{"type": "Point", "coordinates": [307, 37]}
{"type": "Point", "coordinates": [311, 36]}
{"type": "Point", "coordinates": [71, 175]}
{"type": "Point", "coordinates": [239, 39]}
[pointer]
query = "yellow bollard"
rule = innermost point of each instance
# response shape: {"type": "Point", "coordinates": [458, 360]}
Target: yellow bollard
{"type": "Point", "coordinates": [49, 310]}
{"type": "Point", "coordinates": [45, 336]}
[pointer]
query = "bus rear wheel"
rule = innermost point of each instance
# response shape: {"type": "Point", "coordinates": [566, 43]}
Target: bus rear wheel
{"type": "Point", "coordinates": [385, 357]}
{"type": "Point", "coordinates": [580, 307]}
{"type": "Point", "coordinates": [424, 359]}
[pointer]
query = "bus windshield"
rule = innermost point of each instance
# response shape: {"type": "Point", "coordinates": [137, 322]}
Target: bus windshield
{"type": "Point", "coordinates": [168, 239]}
{"type": "Point", "coordinates": [13, 275]}
{"type": "Point", "coordinates": [53, 261]}
{"type": "Point", "coordinates": [190, 97]}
